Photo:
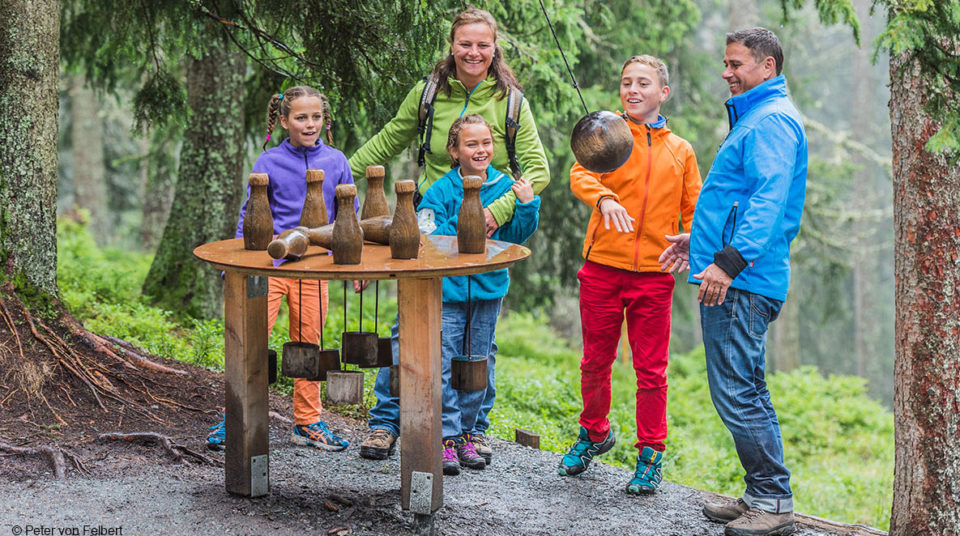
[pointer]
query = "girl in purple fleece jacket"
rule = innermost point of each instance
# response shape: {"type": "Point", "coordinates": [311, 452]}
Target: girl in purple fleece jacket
{"type": "Point", "coordinates": [304, 113]}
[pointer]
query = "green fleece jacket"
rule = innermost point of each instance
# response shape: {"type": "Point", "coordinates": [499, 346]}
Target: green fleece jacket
{"type": "Point", "coordinates": [401, 131]}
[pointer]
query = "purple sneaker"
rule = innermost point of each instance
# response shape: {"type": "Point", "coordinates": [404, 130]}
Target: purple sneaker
{"type": "Point", "coordinates": [467, 453]}
{"type": "Point", "coordinates": [451, 463]}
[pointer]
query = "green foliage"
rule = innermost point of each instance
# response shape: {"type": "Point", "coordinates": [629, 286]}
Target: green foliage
{"type": "Point", "coordinates": [838, 442]}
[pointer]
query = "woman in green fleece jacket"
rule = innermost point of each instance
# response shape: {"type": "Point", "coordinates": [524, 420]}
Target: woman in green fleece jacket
{"type": "Point", "coordinates": [473, 79]}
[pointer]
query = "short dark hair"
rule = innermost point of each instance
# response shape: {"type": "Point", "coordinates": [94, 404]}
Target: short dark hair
{"type": "Point", "coordinates": [761, 42]}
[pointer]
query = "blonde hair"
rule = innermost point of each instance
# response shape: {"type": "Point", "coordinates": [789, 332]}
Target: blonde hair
{"type": "Point", "coordinates": [280, 104]}
{"type": "Point", "coordinates": [453, 138]}
{"type": "Point", "coordinates": [650, 61]}
{"type": "Point", "coordinates": [447, 67]}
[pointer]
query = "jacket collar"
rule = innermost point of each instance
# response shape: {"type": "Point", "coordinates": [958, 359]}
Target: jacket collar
{"type": "Point", "coordinates": [493, 175]}
{"type": "Point", "coordinates": [739, 105]}
{"type": "Point", "coordinates": [657, 128]}
{"type": "Point", "coordinates": [484, 87]}
{"type": "Point", "coordinates": [300, 151]}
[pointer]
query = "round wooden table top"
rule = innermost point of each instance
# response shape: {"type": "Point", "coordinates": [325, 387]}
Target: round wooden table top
{"type": "Point", "coordinates": [438, 258]}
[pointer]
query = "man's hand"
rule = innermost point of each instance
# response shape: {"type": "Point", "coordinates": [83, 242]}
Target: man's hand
{"type": "Point", "coordinates": [492, 224]}
{"type": "Point", "coordinates": [676, 258]}
{"type": "Point", "coordinates": [614, 211]}
{"type": "Point", "coordinates": [713, 290]}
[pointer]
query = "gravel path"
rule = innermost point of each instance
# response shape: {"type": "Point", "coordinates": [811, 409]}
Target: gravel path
{"type": "Point", "coordinates": [520, 493]}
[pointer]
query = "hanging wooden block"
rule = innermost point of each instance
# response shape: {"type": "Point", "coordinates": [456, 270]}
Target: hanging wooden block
{"type": "Point", "coordinates": [301, 360]}
{"type": "Point", "coordinates": [395, 381]}
{"type": "Point", "coordinates": [271, 366]}
{"type": "Point", "coordinates": [359, 348]}
{"type": "Point", "coordinates": [468, 373]}
{"type": "Point", "coordinates": [345, 386]}
{"type": "Point", "coordinates": [384, 352]}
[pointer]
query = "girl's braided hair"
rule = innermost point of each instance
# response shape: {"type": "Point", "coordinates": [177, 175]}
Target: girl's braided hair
{"type": "Point", "coordinates": [453, 138]}
{"type": "Point", "coordinates": [280, 104]}
{"type": "Point", "coordinates": [447, 67]}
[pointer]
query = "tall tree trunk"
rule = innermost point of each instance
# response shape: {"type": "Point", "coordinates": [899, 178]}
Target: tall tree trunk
{"type": "Point", "coordinates": [86, 133]}
{"type": "Point", "coordinates": [157, 180]}
{"type": "Point", "coordinates": [207, 197]}
{"type": "Point", "coordinates": [926, 493]}
{"type": "Point", "coordinates": [29, 70]}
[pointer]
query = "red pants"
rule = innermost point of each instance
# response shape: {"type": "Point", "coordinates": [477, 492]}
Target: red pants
{"type": "Point", "coordinates": [306, 394]}
{"type": "Point", "coordinates": [607, 293]}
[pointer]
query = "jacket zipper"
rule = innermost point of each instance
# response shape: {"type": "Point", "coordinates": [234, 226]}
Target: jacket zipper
{"type": "Point", "coordinates": [733, 230]}
{"type": "Point", "coordinates": [643, 207]}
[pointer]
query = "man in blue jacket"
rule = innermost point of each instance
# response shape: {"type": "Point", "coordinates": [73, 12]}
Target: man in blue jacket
{"type": "Point", "coordinates": [739, 253]}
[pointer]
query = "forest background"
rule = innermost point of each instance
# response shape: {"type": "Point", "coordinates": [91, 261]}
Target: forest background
{"type": "Point", "coordinates": [136, 133]}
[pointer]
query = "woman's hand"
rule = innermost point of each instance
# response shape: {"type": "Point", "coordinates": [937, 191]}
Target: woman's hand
{"type": "Point", "coordinates": [524, 190]}
{"type": "Point", "coordinates": [359, 285]}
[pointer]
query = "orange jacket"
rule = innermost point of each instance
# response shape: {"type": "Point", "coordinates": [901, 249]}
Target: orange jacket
{"type": "Point", "coordinates": [657, 185]}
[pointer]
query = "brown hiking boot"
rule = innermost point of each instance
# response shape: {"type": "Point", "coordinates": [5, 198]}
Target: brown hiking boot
{"type": "Point", "coordinates": [481, 446]}
{"type": "Point", "coordinates": [378, 445]}
{"type": "Point", "coordinates": [725, 512]}
{"type": "Point", "coordinates": [756, 522]}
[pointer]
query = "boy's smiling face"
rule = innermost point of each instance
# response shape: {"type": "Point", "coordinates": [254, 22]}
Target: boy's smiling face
{"type": "Point", "coordinates": [641, 92]}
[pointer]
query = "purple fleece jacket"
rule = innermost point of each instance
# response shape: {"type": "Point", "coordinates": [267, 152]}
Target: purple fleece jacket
{"type": "Point", "coordinates": [287, 166]}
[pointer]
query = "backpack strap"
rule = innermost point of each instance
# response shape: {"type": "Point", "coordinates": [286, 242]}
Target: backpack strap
{"type": "Point", "coordinates": [512, 124]}
{"type": "Point", "coordinates": [425, 116]}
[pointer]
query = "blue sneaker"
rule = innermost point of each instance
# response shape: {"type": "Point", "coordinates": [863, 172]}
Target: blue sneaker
{"type": "Point", "coordinates": [582, 452]}
{"type": "Point", "coordinates": [646, 479]}
{"type": "Point", "coordinates": [217, 435]}
{"type": "Point", "coordinates": [319, 436]}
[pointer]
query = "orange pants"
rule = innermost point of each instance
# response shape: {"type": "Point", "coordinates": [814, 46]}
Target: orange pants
{"type": "Point", "coordinates": [310, 310]}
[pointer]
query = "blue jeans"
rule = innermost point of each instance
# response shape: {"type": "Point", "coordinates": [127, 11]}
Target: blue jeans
{"type": "Point", "coordinates": [463, 411]}
{"type": "Point", "coordinates": [734, 337]}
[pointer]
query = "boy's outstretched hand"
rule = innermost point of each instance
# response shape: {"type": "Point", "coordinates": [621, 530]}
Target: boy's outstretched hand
{"type": "Point", "coordinates": [614, 211]}
{"type": "Point", "coordinates": [524, 190]}
{"type": "Point", "coordinates": [676, 258]}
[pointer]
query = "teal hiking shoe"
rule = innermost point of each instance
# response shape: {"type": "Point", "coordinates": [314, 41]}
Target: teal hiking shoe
{"type": "Point", "coordinates": [582, 452]}
{"type": "Point", "coordinates": [646, 479]}
{"type": "Point", "coordinates": [217, 435]}
{"type": "Point", "coordinates": [317, 435]}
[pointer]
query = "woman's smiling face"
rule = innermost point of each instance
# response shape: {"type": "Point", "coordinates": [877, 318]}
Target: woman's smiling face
{"type": "Point", "coordinates": [472, 48]}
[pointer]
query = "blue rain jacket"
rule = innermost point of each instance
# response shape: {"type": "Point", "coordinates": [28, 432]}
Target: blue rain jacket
{"type": "Point", "coordinates": [752, 198]}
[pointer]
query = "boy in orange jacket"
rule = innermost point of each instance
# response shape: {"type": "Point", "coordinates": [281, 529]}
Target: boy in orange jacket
{"type": "Point", "coordinates": [634, 208]}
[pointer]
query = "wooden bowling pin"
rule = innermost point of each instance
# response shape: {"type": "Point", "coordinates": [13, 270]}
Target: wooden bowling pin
{"type": "Point", "coordinates": [257, 221]}
{"type": "Point", "coordinates": [471, 225]}
{"type": "Point", "coordinates": [314, 213]}
{"type": "Point", "coordinates": [347, 236]}
{"type": "Point", "coordinates": [375, 204]}
{"type": "Point", "coordinates": [404, 232]}
{"type": "Point", "coordinates": [377, 229]}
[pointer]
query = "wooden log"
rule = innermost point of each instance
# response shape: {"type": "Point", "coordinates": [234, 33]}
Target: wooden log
{"type": "Point", "coordinates": [345, 386]}
{"type": "Point", "coordinates": [347, 237]}
{"type": "Point", "coordinates": [471, 225]}
{"type": "Point", "coordinates": [420, 305]}
{"type": "Point", "coordinates": [314, 212]}
{"type": "Point", "coordinates": [404, 232]}
{"type": "Point", "coordinates": [258, 221]}
{"type": "Point", "coordinates": [245, 374]}
{"type": "Point", "coordinates": [527, 439]}
{"type": "Point", "coordinates": [375, 204]}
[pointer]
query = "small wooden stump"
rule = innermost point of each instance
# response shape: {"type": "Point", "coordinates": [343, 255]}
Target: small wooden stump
{"type": "Point", "coordinates": [528, 439]}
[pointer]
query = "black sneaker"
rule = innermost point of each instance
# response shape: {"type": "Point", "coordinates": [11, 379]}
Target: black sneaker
{"type": "Point", "coordinates": [582, 452]}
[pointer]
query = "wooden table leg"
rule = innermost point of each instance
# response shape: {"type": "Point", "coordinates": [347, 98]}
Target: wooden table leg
{"type": "Point", "coordinates": [245, 328]}
{"type": "Point", "coordinates": [420, 305]}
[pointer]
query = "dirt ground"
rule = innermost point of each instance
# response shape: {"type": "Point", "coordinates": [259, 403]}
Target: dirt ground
{"type": "Point", "coordinates": [112, 487]}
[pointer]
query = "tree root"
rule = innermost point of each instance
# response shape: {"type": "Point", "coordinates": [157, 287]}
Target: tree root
{"type": "Point", "coordinates": [177, 451]}
{"type": "Point", "coordinates": [55, 455]}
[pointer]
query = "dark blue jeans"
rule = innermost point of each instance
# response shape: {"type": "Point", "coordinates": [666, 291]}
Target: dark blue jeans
{"type": "Point", "coordinates": [734, 336]}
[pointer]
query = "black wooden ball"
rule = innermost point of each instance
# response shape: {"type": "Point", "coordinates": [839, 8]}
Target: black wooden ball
{"type": "Point", "coordinates": [601, 141]}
